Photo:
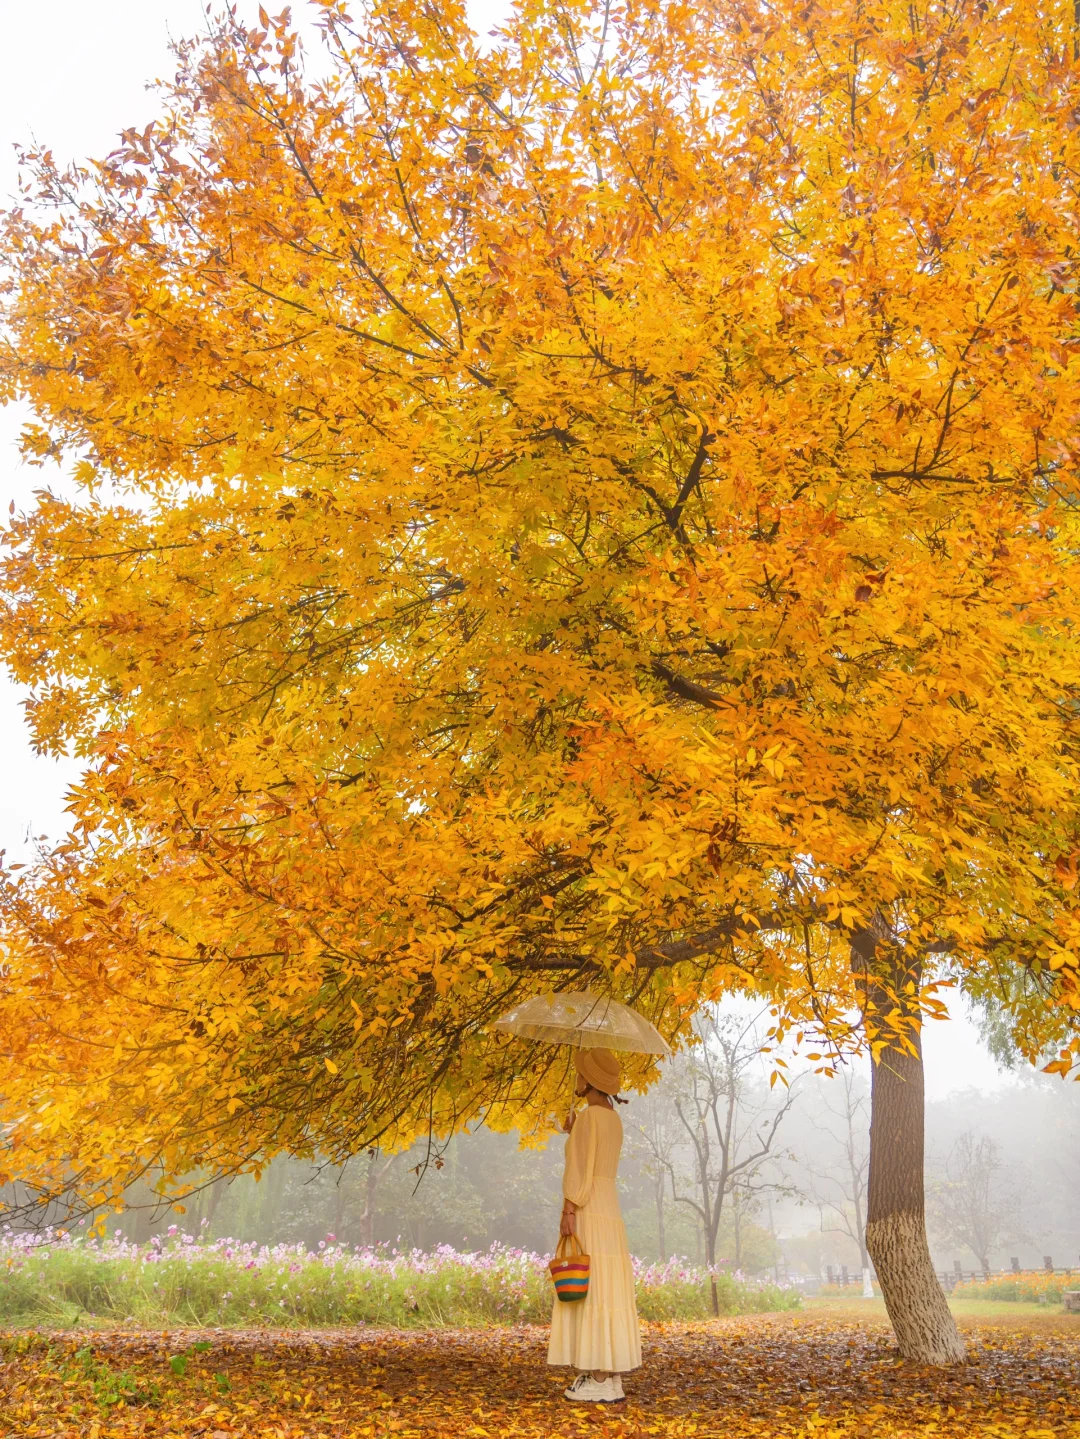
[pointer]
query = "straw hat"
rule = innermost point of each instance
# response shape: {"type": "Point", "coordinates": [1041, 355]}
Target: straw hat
{"type": "Point", "coordinates": [600, 1069]}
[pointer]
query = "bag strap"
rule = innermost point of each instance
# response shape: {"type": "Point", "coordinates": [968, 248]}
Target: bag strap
{"type": "Point", "coordinates": [565, 1240]}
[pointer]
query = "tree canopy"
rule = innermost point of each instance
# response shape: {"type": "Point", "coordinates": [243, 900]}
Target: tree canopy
{"type": "Point", "coordinates": [595, 507]}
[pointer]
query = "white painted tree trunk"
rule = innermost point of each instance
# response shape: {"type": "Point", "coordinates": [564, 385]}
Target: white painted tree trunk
{"type": "Point", "coordinates": [867, 1283]}
{"type": "Point", "coordinates": [921, 1319]}
{"type": "Point", "coordinates": [925, 1329]}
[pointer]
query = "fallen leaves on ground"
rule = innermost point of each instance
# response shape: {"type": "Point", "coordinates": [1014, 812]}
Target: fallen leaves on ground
{"type": "Point", "coordinates": [756, 1376]}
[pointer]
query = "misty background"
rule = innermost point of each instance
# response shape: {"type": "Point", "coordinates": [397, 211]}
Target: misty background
{"type": "Point", "coordinates": [1003, 1147]}
{"type": "Point", "coordinates": [718, 1166]}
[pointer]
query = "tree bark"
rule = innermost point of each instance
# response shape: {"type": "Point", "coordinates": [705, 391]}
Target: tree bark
{"type": "Point", "coordinates": [925, 1329]}
{"type": "Point", "coordinates": [339, 1201]}
{"type": "Point", "coordinates": [213, 1199]}
{"type": "Point", "coordinates": [376, 1170]}
{"type": "Point", "coordinates": [860, 1222]}
{"type": "Point", "coordinates": [710, 1261]}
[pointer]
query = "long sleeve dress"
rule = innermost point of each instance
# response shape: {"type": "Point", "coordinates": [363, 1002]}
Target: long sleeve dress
{"type": "Point", "coordinates": [601, 1331]}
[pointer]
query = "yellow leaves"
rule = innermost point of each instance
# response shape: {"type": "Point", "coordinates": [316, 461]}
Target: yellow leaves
{"type": "Point", "coordinates": [1065, 869]}
{"type": "Point", "coordinates": [1057, 959]}
{"type": "Point", "coordinates": [1062, 1066]}
{"type": "Point", "coordinates": [566, 598]}
{"type": "Point", "coordinates": [417, 1383]}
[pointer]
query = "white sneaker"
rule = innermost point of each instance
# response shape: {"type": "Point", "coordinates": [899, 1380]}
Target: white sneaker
{"type": "Point", "coordinates": [587, 1390]}
{"type": "Point", "coordinates": [616, 1380]}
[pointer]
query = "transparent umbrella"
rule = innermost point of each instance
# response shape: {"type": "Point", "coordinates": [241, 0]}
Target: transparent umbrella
{"type": "Point", "coordinates": [587, 1021]}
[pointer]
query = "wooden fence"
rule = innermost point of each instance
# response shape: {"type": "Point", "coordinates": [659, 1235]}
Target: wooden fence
{"type": "Point", "coordinates": [958, 1274]}
{"type": "Point", "coordinates": [950, 1278]}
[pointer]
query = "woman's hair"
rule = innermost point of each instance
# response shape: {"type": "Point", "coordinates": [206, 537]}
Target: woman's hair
{"type": "Point", "coordinates": [617, 1098]}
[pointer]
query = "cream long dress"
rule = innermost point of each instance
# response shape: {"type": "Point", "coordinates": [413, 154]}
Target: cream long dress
{"type": "Point", "coordinates": [600, 1331]}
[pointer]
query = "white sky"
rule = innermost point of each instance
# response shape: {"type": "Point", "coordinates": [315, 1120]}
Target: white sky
{"type": "Point", "coordinates": [73, 74]}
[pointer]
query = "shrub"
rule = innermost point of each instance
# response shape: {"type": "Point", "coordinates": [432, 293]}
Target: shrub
{"type": "Point", "coordinates": [1031, 1287]}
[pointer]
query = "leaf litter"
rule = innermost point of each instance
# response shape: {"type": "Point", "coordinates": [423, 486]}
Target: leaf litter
{"type": "Point", "coordinates": [756, 1376]}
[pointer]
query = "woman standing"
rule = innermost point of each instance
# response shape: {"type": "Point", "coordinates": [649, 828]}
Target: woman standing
{"type": "Point", "coordinates": [599, 1334]}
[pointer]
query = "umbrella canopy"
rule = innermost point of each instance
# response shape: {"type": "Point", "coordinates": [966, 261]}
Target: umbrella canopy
{"type": "Point", "coordinates": [588, 1021]}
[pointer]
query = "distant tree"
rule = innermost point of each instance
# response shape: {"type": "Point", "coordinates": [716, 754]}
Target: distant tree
{"type": "Point", "coordinates": [378, 1166]}
{"type": "Point", "coordinates": [653, 1137]}
{"type": "Point", "coordinates": [972, 1205]}
{"type": "Point", "coordinates": [838, 1181]}
{"type": "Point", "coordinates": [752, 1247]}
{"type": "Point", "coordinates": [731, 1125]}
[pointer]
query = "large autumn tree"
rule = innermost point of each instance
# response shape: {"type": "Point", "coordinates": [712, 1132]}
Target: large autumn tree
{"type": "Point", "coordinates": [595, 508]}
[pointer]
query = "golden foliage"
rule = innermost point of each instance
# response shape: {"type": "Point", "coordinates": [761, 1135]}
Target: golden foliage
{"type": "Point", "coordinates": [599, 508]}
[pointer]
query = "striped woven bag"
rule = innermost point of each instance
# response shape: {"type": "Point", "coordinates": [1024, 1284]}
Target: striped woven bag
{"type": "Point", "coordinates": [570, 1272]}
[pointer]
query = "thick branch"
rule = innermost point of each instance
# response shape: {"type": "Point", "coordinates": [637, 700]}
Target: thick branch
{"type": "Point", "coordinates": [678, 951]}
{"type": "Point", "coordinates": [687, 689]}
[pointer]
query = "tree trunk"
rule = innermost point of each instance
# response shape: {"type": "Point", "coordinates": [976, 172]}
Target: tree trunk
{"type": "Point", "coordinates": [864, 1259]}
{"type": "Point", "coordinates": [661, 1234]}
{"type": "Point", "coordinates": [367, 1218]}
{"type": "Point", "coordinates": [710, 1263]}
{"type": "Point", "coordinates": [339, 1201]}
{"type": "Point", "coordinates": [860, 1222]}
{"type": "Point", "coordinates": [376, 1170]}
{"type": "Point", "coordinates": [710, 1260]}
{"type": "Point", "coordinates": [213, 1199]}
{"type": "Point", "coordinates": [925, 1329]}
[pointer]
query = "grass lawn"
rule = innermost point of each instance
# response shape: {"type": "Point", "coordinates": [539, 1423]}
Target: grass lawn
{"type": "Point", "coordinates": [830, 1372]}
{"type": "Point", "coordinates": [969, 1312]}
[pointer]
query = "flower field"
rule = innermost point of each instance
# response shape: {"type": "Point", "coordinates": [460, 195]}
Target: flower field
{"type": "Point", "coordinates": [55, 1279]}
{"type": "Point", "coordinates": [1032, 1287]}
